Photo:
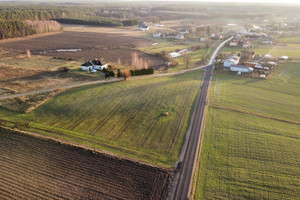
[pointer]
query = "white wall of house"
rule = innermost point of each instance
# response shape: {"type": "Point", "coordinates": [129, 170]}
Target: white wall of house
{"type": "Point", "coordinates": [241, 69]}
{"type": "Point", "coordinates": [228, 63]}
{"type": "Point", "coordinates": [86, 68]}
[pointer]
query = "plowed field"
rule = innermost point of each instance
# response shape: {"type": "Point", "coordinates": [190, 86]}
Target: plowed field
{"type": "Point", "coordinates": [90, 45]}
{"type": "Point", "coordinates": [33, 168]}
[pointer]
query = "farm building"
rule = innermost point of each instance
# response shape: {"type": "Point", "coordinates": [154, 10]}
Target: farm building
{"type": "Point", "coordinates": [173, 36]}
{"type": "Point", "coordinates": [247, 44]}
{"type": "Point", "coordinates": [241, 68]}
{"type": "Point", "coordinates": [93, 65]}
{"type": "Point", "coordinates": [232, 60]}
{"type": "Point", "coordinates": [156, 35]}
{"type": "Point", "coordinates": [143, 26]}
{"type": "Point", "coordinates": [233, 43]}
{"type": "Point", "coordinates": [283, 58]}
{"type": "Point", "coordinates": [266, 42]}
{"type": "Point", "coordinates": [268, 56]}
{"type": "Point", "coordinates": [184, 31]}
{"type": "Point", "coordinates": [229, 62]}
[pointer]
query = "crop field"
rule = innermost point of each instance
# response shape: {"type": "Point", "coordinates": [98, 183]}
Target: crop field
{"type": "Point", "coordinates": [276, 97]}
{"type": "Point", "coordinates": [248, 157]}
{"type": "Point", "coordinates": [85, 46]}
{"type": "Point", "coordinates": [251, 142]}
{"type": "Point", "coordinates": [124, 118]}
{"type": "Point", "coordinates": [295, 39]}
{"type": "Point", "coordinates": [34, 168]}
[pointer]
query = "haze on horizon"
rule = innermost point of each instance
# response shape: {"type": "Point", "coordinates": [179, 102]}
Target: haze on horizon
{"type": "Point", "coordinates": [207, 1]}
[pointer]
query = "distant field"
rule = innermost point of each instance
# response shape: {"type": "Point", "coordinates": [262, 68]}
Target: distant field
{"type": "Point", "coordinates": [249, 157]}
{"type": "Point", "coordinates": [88, 45]}
{"type": "Point", "coordinates": [267, 50]}
{"type": "Point", "coordinates": [124, 117]}
{"type": "Point", "coordinates": [295, 39]}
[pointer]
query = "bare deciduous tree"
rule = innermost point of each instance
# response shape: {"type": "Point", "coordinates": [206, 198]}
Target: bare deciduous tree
{"type": "Point", "coordinates": [188, 60]}
{"type": "Point", "coordinates": [28, 53]}
{"type": "Point", "coordinates": [125, 74]}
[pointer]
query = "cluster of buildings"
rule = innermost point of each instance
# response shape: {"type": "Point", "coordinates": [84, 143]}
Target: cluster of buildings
{"type": "Point", "coordinates": [213, 36]}
{"type": "Point", "coordinates": [248, 62]}
{"type": "Point", "coordinates": [244, 37]}
{"type": "Point", "coordinates": [172, 35]}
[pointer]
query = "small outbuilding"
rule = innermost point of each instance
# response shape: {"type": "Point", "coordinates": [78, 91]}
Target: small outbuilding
{"type": "Point", "coordinates": [241, 68]}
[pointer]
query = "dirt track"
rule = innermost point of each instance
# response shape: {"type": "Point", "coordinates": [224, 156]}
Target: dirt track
{"type": "Point", "coordinates": [33, 168]}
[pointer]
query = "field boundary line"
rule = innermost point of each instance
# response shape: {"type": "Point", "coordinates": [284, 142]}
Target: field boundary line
{"type": "Point", "coordinates": [252, 113]}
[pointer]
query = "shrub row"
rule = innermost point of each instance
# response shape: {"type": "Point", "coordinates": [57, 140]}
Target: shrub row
{"type": "Point", "coordinates": [142, 72]}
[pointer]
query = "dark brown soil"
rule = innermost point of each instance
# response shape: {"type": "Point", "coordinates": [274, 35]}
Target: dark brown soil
{"type": "Point", "coordinates": [33, 168]}
{"type": "Point", "coordinates": [110, 47]}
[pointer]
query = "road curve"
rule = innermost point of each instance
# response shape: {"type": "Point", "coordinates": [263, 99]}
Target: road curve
{"type": "Point", "coordinates": [183, 180]}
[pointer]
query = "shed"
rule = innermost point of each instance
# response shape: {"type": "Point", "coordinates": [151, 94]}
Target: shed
{"type": "Point", "coordinates": [241, 68]}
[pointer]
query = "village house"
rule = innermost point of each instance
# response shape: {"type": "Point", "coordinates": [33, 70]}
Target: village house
{"type": "Point", "coordinates": [143, 26]}
{"type": "Point", "coordinates": [156, 35]}
{"type": "Point", "coordinates": [184, 31]}
{"type": "Point", "coordinates": [173, 36]}
{"type": "Point", "coordinates": [266, 42]}
{"type": "Point", "coordinates": [233, 43]}
{"type": "Point", "coordinates": [202, 39]}
{"type": "Point", "coordinates": [93, 66]}
{"type": "Point", "coordinates": [247, 44]}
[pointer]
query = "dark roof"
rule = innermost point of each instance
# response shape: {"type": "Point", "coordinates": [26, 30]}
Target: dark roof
{"type": "Point", "coordinates": [96, 62]}
{"type": "Point", "coordinates": [87, 64]}
{"type": "Point", "coordinates": [90, 63]}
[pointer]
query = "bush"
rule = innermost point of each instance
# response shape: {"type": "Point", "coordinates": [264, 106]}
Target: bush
{"type": "Point", "coordinates": [142, 72]}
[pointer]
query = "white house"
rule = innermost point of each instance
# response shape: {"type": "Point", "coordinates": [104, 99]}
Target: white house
{"type": "Point", "coordinates": [240, 68]}
{"type": "Point", "coordinates": [284, 58]}
{"type": "Point", "coordinates": [233, 44]}
{"type": "Point", "coordinates": [268, 56]}
{"type": "Point", "coordinates": [266, 42]}
{"type": "Point", "coordinates": [143, 26]}
{"type": "Point", "coordinates": [212, 36]}
{"type": "Point", "coordinates": [229, 62]}
{"type": "Point", "coordinates": [156, 35]}
{"type": "Point", "coordinates": [202, 39]}
{"type": "Point", "coordinates": [93, 65]}
{"type": "Point", "coordinates": [184, 31]}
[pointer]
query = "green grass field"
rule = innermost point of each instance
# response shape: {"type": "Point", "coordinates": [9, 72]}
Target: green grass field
{"type": "Point", "coordinates": [124, 118]}
{"type": "Point", "coordinates": [268, 49]}
{"type": "Point", "coordinates": [295, 39]}
{"type": "Point", "coordinates": [276, 97]}
{"type": "Point", "coordinates": [249, 157]}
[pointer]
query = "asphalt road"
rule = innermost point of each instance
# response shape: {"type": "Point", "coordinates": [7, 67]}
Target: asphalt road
{"type": "Point", "coordinates": [187, 163]}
